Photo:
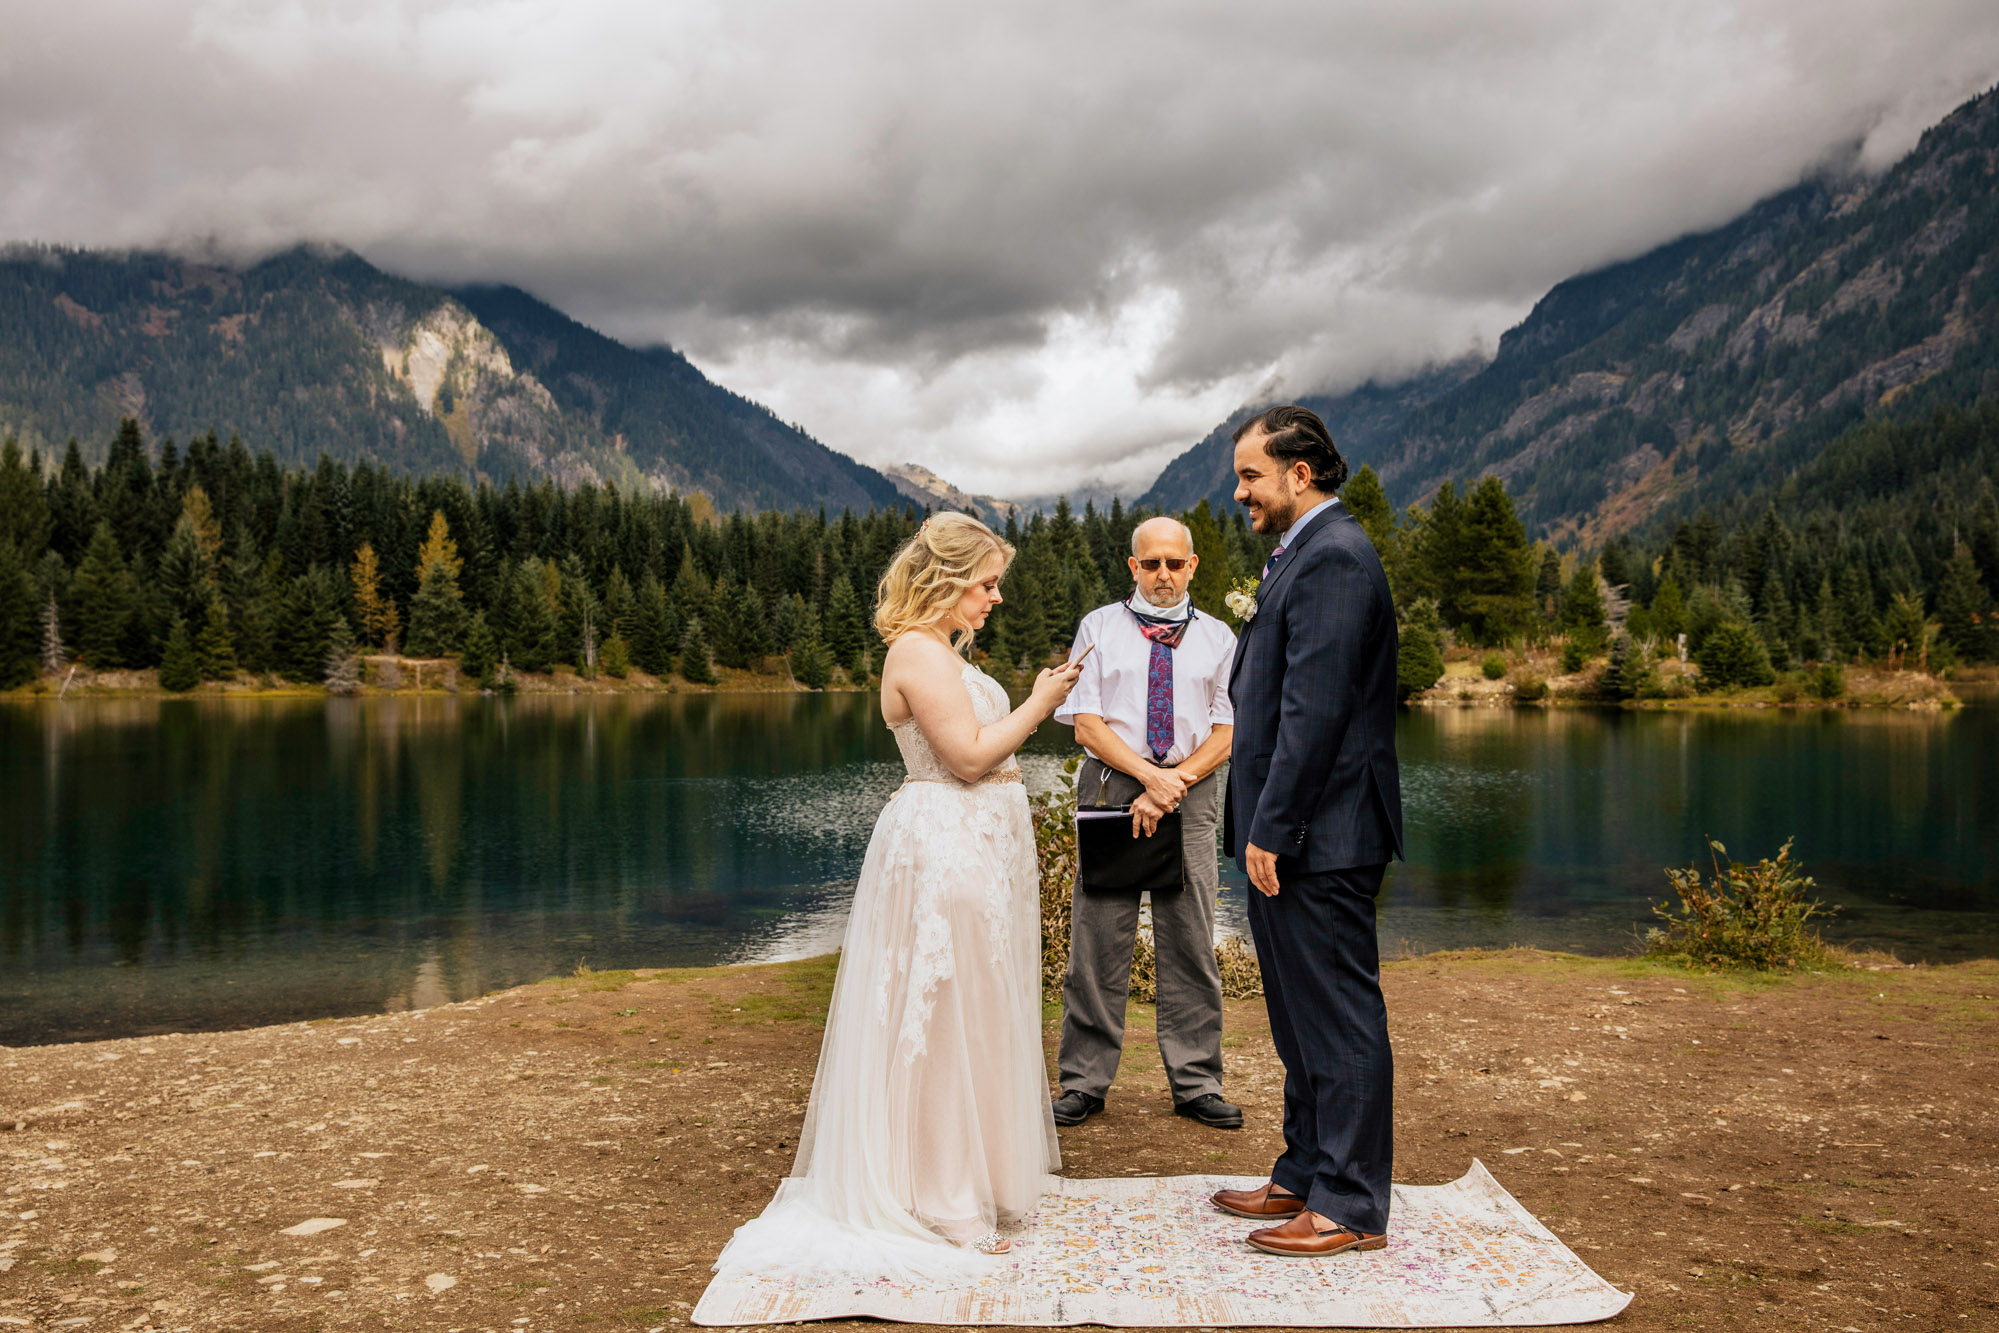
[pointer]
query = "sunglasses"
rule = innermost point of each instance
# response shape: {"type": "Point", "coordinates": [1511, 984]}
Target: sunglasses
{"type": "Point", "coordinates": [1173, 563]}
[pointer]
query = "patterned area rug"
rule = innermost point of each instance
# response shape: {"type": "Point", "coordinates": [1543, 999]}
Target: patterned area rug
{"type": "Point", "coordinates": [1153, 1252]}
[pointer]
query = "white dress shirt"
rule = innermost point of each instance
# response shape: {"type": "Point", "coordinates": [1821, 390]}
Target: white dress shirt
{"type": "Point", "coordinates": [1303, 521]}
{"type": "Point", "coordinates": [1112, 685]}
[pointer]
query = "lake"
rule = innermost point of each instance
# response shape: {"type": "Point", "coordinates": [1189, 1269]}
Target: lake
{"type": "Point", "coordinates": [184, 864]}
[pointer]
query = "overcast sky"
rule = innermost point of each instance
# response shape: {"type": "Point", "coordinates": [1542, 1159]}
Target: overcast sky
{"type": "Point", "coordinates": [1032, 246]}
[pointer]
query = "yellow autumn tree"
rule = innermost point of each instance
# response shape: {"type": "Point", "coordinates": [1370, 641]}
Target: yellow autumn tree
{"type": "Point", "coordinates": [201, 513]}
{"type": "Point", "coordinates": [379, 617]}
{"type": "Point", "coordinates": [438, 549]}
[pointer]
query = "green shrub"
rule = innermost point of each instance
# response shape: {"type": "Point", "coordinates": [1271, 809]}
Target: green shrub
{"type": "Point", "coordinates": [1418, 664]}
{"type": "Point", "coordinates": [1746, 916]}
{"type": "Point", "coordinates": [180, 669]}
{"type": "Point", "coordinates": [1529, 687]}
{"type": "Point", "coordinates": [1732, 655]}
{"type": "Point", "coordinates": [1494, 666]}
{"type": "Point", "coordinates": [1574, 657]}
{"type": "Point", "coordinates": [617, 657]}
{"type": "Point", "coordinates": [1828, 681]}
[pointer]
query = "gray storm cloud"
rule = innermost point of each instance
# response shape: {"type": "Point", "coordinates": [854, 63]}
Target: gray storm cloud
{"type": "Point", "coordinates": [1032, 245]}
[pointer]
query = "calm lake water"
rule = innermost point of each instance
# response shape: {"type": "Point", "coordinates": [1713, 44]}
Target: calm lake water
{"type": "Point", "coordinates": [168, 865]}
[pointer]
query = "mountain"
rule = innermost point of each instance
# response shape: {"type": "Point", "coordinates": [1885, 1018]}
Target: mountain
{"type": "Point", "coordinates": [925, 487]}
{"type": "Point", "coordinates": [315, 350]}
{"type": "Point", "coordinates": [1712, 366]}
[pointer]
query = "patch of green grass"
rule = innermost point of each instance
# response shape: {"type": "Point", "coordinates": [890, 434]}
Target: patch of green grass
{"type": "Point", "coordinates": [626, 1013]}
{"type": "Point", "coordinates": [521, 1290]}
{"type": "Point", "coordinates": [70, 1267]}
{"type": "Point", "coordinates": [645, 1314]}
{"type": "Point", "coordinates": [601, 1078]}
{"type": "Point", "coordinates": [588, 978]}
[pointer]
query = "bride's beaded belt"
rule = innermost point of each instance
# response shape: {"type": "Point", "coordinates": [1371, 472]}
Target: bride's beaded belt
{"type": "Point", "coordinates": [996, 776]}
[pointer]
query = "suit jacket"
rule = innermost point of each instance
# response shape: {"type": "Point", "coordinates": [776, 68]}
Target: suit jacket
{"type": "Point", "coordinates": [1312, 772]}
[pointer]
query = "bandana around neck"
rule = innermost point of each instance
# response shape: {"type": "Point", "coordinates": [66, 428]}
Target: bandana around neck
{"type": "Point", "coordinates": [1144, 610]}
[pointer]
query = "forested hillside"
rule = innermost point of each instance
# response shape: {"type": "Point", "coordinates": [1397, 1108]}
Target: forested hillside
{"type": "Point", "coordinates": [1712, 366]}
{"type": "Point", "coordinates": [316, 351]}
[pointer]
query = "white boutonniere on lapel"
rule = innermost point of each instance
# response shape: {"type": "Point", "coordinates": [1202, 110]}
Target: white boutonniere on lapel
{"type": "Point", "coordinates": [1241, 599]}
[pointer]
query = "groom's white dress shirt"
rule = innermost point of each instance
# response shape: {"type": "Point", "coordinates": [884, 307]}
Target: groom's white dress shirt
{"type": "Point", "coordinates": [1113, 681]}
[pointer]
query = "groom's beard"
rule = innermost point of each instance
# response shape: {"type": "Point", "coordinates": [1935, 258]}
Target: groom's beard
{"type": "Point", "coordinates": [1276, 519]}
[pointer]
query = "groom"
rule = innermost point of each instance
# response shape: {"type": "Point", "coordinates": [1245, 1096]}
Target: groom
{"type": "Point", "coordinates": [1313, 815]}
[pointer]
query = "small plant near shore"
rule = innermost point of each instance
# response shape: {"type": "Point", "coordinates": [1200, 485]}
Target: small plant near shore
{"type": "Point", "coordinates": [1529, 687]}
{"type": "Point", "coordinates": [1494, 666]}
{"type": "Point", "coordinates": [1828, 682]}
{"type": "Point", "coordinates": [1748, 916]}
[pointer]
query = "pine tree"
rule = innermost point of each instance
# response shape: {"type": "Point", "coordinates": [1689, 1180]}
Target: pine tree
{"type": "Point", "coordinates": [1212, 576]}
{"type": "Point", "coordinates": [101, 601]}
{"type": "Point", "coordinates": [343, 660]}
{"type": "Point", "coordinates": [481, 656]}
{"type": "Point", "coordinates": [811, 663]}
{"type": "Point", "coordinates": [1582, 610]}
{"type": "Point", "coordinates": [617, 657]}
{"type": "Point", "coordinates": [180, 670]}
{"type": "Point", "coordinates": [18, 614]}
{"type": "Point", "coordinates": [695, 667]}
{"type": "Point", "coordinates": [652, 648]}
{"type": "Point", "coordinates": [1731, 655]}
{"type": "Point", "coordinates": [620, 603]}
{"type": "Point", "coordinates": [1628, 674]}
{"type": "Point", "coordinates": [55, 655]}
{"type": "Point", "coordinates": [787, 622]}
{"type": "Point", "coordinates": [311, 605]}
{"type": "Point", "coordinates": [1418, 662]}
{"type": "Point", "coordinates": [24, 511]}
{"type": "Point", "coordinates": [844, 632]}
{"type": "Point", "coordinates": [437, 614]}
{"type": "Point", "coordinates": [1495, 581]}
{"type": "Point", "coordinates": [1964, 612]}
{"type": "Point", "coordinates": [186, 574]}
{"type": "Point", "coordinates": [753, 627]}
{"type": "Point", "coordinates": [1436, 555]}
{"type": "Point", "coordinates": [215, 648]}
{"type": "Point", "coordinates": [1907, 630]}
{"type": "Point", "coordinates": [1548, 587]}
{"type": "Point", "coordinates": [1365, 499]}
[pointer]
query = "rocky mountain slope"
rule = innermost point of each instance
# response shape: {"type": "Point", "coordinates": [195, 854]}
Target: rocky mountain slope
{"type": "Point", "coordinates": [315, 350]}
{"type": "Point", "coordinates": [1713, 365]}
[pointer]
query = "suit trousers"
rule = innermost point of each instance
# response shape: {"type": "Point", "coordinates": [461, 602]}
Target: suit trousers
{"type": "Point", "coordinates": [1316, 945]}
{"type": "Point", "coordinates": [1103, 927]}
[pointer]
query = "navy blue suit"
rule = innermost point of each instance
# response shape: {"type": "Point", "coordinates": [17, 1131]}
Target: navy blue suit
{"type": "Point", "coordinates": [1313, 778]}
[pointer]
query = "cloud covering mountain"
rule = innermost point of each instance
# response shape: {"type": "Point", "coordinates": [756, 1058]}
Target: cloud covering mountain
{"type": "Point", "coordinates": [1027, 246]}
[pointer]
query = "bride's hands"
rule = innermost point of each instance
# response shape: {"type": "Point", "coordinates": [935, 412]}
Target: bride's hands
{"type": "Point", "coordinates": [1052, 686]}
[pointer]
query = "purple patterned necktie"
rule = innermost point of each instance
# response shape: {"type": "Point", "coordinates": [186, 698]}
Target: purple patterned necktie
{"type": "Point", "coordinates": [1166, 636]}
{"type": "Point", "coordinates": [1270, 564]}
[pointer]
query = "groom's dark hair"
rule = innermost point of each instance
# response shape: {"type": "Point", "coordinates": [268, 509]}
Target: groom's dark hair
{"type": "Point", "coordinates": [1295, 434]}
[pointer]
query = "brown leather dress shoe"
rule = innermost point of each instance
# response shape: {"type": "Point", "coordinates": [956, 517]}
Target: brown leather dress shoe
{"type": "Point", "coordinates": [1259, 1204]}
{"type": "Point", "coordinates": [1303, 1238]}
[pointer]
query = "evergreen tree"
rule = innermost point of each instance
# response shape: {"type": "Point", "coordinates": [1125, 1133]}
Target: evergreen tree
{"type": "Point", "coordinates": [695, 667]}
{"type": "Point", "coordinates": [311, 605]}
{"type": "Point", "coordinates": [1983, 537]}
{"type": "Point", "coordinates": [723, 623]}
{"type": "Point", "coordinates": [250, 584]}
{"type": "Point", "coordinates": [1419, 663]}
{"type": "Point", "coordinates": [1964, 611]}
{"type": "Point", "coordinates": [1495, 581]}
{"type": "Point", "coordinates": [652, 647]}
{"type": "Point", "coordinates": [617, 657]}
{"type": "Point", "coordinates": [1365, 499]}
{"type": "Point", "coordinates": [25, 519]}
{"type": "Point", "coordinates": [180, 670]}
{"type": "Point", "coordinates": [437, 613]}
{"type": "Point", "coordinates": [101, 601]}
{"type": "Point", "coordinates": [481, 656]}
{"type": "Point", "coordinates": [1629, 673]}
{"type": "Point", "coordinates": [343, 660]}
{"type": "Point", "coordinates": [214, 647]}
{"type": "Point", "coordinates": [753, 630]}
{"type": "Point", "coordinates": [1436, 555]}
{"type": "Point", "coordinates": [51, 586]}
{"type": "Point", "coordinates": [19, 635]}
{"type": "Point", "coordinates": [787, 622]}
{"type": "Point", "coordinates": [1907, 630]}
{"type": "Point", "coordinates": [1731, 655]}
{"type": "Point", "coordinates": [1582, 610]}
{"type": "Point", "coordinates": [620, 603]}
{"type": "Point", "coordinates": [846, 635]}
{"type": "Point", "coordinates": [1548, 587]}
{"type": "Point", "coordinates": [811, 662]}
{"type": "Point", "coordinates": [186, 573]}
{"type": "Point", "coordinates": [1669, 611]}
{"type": "Point", "coordinates": [1213, 575]}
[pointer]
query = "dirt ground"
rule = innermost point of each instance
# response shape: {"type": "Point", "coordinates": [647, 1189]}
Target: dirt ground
{"type": "Point", "coordinates": [1819, 1153]}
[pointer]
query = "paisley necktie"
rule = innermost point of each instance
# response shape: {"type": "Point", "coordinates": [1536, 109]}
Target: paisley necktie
{"type": "Point", "coordinates": [1165, 636]}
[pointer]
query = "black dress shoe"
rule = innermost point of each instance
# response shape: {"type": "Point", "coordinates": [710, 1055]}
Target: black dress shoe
{"type": "Point", "coordinates": [1211, 1110]}
{"type": "Point", "coordinates": [1073, 1108]}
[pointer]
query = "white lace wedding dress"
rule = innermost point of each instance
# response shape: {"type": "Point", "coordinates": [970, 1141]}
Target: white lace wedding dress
{"type": "Point", "coordinates": [929, 1123]}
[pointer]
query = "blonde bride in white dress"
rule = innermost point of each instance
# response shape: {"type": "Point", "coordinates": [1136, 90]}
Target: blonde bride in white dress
{"type": "Point", "coordinates": [929, 1129]}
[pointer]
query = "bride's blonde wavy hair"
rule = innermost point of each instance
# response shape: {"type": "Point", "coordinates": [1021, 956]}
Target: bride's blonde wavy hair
{"type": "Point", "coordinates": [931, 572]}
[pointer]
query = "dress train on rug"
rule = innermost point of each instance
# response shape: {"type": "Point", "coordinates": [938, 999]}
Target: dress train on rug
{"type": "Point", "coordinates": [1152, 1251]}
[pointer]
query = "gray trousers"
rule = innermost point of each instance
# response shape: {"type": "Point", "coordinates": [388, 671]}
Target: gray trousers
{"type": "Point", "coordinates": [1102, 930]}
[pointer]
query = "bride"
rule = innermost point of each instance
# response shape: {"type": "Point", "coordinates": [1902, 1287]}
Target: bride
{"type": "Point", "coordinates": [929, 1128]}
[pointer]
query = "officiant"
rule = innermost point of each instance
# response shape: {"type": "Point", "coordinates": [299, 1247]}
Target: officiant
{"type": "Point", "coordinates": [1152, 710]}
